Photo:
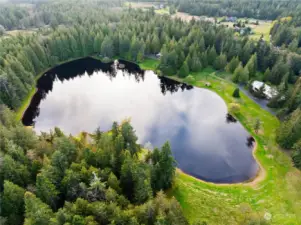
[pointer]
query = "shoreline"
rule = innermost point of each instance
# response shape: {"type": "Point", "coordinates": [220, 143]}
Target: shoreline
{"type": "Point", "coordinates": [261, 173]}
{"type": "Point", "coordinates": [252, 182]}
{"type": "Point", "coordinates": [26, 102]}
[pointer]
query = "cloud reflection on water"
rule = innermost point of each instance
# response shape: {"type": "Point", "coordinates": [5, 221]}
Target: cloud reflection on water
{"type": "Point", "coordinates": [194, 121]}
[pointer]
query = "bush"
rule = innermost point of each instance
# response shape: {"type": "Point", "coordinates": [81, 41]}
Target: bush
{"type": "Point", "coordinates": [2, 30]}
{"type": "Point", "coordinates": [184, 70]}
{"type": "Point", "coordinates": [189, 79]}
{"type": "Point", "coordinates": [236, 93]}
{"type": "Point", "coordinates": [234, 108]}
{"type": "Point", "coordinates": [297, 154]}
{"type": "Point", "coordinates": [106, 60]}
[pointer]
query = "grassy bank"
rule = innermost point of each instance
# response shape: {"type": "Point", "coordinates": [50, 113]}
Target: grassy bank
{"type": "Point", "coordinates": [277, 194]}
{"type": "Point", "coordinates": [25, 103]}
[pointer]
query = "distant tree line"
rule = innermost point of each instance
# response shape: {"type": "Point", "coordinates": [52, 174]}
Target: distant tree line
{"type": "Point", "coordinates": [265, 9]}
{"type": "Point", "coordinates": [286, 33]}
{"type": "Point", "coordinates": [35, 14]}
{"type": "Point", "coordinates": [58, 179]}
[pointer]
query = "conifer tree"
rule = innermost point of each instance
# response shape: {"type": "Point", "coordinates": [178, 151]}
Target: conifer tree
{"type": "Point", "coordinates": [220, 62]}
{"type": "Point", "coordinates": [297, 154]}
{"type": "Point", "coordinates": [211, 56]}
{"type": "Point", "coordinates": [252, 66]}
{"type": "Point", "coordinates": [267, 74]}
{"type": "Point", "coordinates": [107, 49]}
{"type": "Point", "coordinates": [36, 212]}
{"type": "Point", "coordinates": [12, 204]}
{"type": "Point", "coordinates": [184, 70]}
{"type": "Point", "coordinates": [237, 73]}
{"type": "Point", "coordinates": [232, 65]}
{"type": "Point", "coordinates": [236, 93]}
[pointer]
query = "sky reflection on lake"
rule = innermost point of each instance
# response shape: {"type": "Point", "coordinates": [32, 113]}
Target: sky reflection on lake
{"type": "Point", "coordinates": [205, 142]}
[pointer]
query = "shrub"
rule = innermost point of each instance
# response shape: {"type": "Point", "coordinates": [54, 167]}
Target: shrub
{"type": "Point", "coordinates": [236, 93]}
{"type": "Point", "coordinates": [189, 79]}
{"type": "Point", "coordinates": [234, 108]}
{"type": "Point", "coordinates": [297, 154]}
{"type": "Point", "coordinates": [106, 60]}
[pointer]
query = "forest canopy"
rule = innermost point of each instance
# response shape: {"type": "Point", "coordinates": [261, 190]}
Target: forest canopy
{"type": "Point", "coordinates": [71, 180]}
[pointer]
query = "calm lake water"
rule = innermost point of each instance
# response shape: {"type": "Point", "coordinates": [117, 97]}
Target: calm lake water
{"type": "Point", "coordinates": [85, 94]}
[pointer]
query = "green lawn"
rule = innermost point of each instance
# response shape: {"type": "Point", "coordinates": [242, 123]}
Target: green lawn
{"type": "Point", "coordinates": [277, 194]}
{"type": "Point", "coordinates": [263, 28]}
{"type": "Point", "coordinates": [25, 104]}
{"type": "Point", "coordinates": [147, 5]}
{"type": "Point", "coordinates": [162, 11]}
{"type": "Point", "coordinates": [149, 64]}
{"type": "Point", "coordinates": [27, 100]}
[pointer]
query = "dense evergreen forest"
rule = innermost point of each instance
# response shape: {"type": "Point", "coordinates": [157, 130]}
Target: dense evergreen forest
{"type": "Point", "coordinates": [29, 15]}
{"type": "Point", "coordinates": [71, 180]}
{"type": "Point", "coordinates": [58, 179]}
{"type": "Point", "coordinates": [266, 9]}
{"type": "Point", "coordinates": [286, 33]}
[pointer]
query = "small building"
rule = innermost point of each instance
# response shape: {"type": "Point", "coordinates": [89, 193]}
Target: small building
{"type": "Point", "coordinates": [231, 19]}
{"type": "Point", "coordinates": [207, 84]}
{"type": "Point", "coordinates": [268, 91]}
{"type": "Point", "coordinates": [237, 29]}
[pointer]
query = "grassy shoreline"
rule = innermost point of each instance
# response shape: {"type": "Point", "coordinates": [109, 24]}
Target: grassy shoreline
{"type": "Point", "coordinates": [26, 102]}
{"type": "Point", "coordinates": [277, 193]}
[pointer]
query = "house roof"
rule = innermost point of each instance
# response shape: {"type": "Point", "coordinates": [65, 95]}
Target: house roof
{"type": "Point", "coordinates": [268, 90]}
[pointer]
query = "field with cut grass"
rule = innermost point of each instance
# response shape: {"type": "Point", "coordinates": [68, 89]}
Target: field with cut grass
{"type": "Point", "coordinates": [147, 5]}
{"type": "Point", "coordinates": [262, 29]}
{"type": "Point", "coordinates": [185, 16]}
{"type": "Point", "coordinates": [19, 32]}
{"type": "Point", "coordinates": [139, 5]}
{"type": "Point", "coordinates": [275, 195]}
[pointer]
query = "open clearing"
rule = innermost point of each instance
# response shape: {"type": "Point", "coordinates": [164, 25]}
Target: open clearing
{"type": "Point", "coordinates": [146, 5]}
{"type": "Point", "coordinates": [140, 5]}
{"type": "Point", "coordinates": [262, 29]}
{"type": "Point", "coordinates": [19, 32]}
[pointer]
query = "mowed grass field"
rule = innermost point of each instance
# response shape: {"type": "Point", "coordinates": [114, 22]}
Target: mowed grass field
{"type": "Point", "coordinates": [262, 29]}
{"type": "Point", "coordinates": [147, 5]}
{"type": "Point", "coordinates": [275, 193]}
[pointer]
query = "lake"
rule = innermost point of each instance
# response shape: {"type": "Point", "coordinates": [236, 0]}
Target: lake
{"type": "Point", "coordinates": [84, 94]}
